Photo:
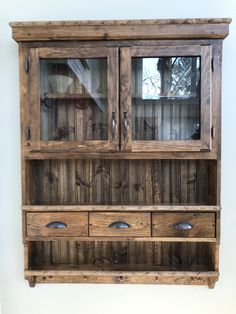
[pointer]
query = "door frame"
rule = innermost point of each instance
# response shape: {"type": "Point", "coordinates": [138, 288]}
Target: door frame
{"type": "Point", "coordinates": [126, 54]}
{"type": "Point", "coordinates": [33, 119]}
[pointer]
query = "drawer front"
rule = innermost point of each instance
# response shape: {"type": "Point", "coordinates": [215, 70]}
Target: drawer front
{"type": "Point", "coordinates": [57, 224]}
{"type": "Point", "coordinates": [188, 225]}
{"type": "Point", "coordinates": [120, 224]}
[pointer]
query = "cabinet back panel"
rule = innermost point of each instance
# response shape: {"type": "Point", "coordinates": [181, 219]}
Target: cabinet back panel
{"type": "Point", "coordinates": [122, 182]}
{"type": "Point", "coordinates": [114, 255]}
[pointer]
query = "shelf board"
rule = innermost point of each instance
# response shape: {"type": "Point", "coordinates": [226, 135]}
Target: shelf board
{"type": "Point", "coordinates": [106, 267]}
{"type": "Point", "coordinates": [71, 96]}
{"type": "Point", "coordinates": [121, 29]}
{"type": "Point", "coordinates": [207, 278]}
{"type": "Point", "coordinates": [122, 208]}
{"type": "Point", "coordinates": [29, 154]}
{"type": "Point", "coordinates": [131, 239]}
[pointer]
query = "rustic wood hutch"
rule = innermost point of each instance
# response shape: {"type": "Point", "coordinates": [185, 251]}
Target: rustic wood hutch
{"type": "Point", "coordinates": [120, 138]}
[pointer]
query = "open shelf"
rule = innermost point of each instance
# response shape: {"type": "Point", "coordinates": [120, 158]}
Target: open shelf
{"type": "Point", "coordinates": [122, 182]}
{"type": "Point", "coordinates": [122, 262]}
{"type": "Point", "coordinates": [120, 255]}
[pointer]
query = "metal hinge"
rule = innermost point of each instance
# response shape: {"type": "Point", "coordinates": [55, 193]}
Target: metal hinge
{"type": "Point", "coordinates": [212, 64]}
{"type": "Point", "coordinates": [213, 131]}
{"type": "Point", "coordinates": [27, 65]}
{"type": "Point", "coordinates": [28, 133]}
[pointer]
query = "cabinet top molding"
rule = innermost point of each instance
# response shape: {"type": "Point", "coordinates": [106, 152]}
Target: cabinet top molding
{"type": "Point", "coordinates": [200, 28]}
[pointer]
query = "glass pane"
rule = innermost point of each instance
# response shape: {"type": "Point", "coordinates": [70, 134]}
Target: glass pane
{"type": "Point", "coordinates": [166, 98]}
{"type": "Point", "coordinates": [73, 99]}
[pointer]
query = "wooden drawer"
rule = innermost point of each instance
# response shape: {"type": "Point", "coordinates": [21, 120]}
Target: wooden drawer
{"type": "Point", "coordinates": [120, 224]}
{"type": "Point", "coordinates": [199, 225]}
{"type": "Point", "coordinates": [57, 224]}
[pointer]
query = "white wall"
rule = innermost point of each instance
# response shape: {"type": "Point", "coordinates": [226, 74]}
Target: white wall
{"type": "Point", "coordinates": [17, 297]}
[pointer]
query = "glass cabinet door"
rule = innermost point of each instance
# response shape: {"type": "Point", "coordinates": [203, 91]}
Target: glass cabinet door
{"type": "Point", "coordinates": [166, 98]}
{"type": "Point", "coordinates": [75, 99]}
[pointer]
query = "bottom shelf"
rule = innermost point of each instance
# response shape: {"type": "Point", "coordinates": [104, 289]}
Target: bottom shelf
{"type": "Point", "coordinates": [120, 255]}
{"type": "Point", "coordinates": [121, 262]}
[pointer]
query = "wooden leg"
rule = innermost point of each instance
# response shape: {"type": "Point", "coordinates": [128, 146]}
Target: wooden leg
{"type": "Point", "coordinates": [31, 281]}
{"type": "Point", "coordinates": [211, 283]}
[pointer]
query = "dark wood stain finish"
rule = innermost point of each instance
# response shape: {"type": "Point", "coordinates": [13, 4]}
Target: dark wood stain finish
{"type": "Point", "coordinates": [126, 29]}
{"type": "Point", "coordinates": [121, 182]}
{"type": "Point", "coordinates": [133, 163]}
{"type": "Point", "coordinates": [202, 225]}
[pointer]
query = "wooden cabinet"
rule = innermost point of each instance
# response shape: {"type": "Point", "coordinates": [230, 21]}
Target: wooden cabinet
{"type": "Point", "coordinates": [74, 99]}
{"type": "Point", "coordinates": [120, 138]}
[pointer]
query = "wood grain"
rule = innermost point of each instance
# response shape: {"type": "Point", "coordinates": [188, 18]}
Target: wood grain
{"type": "Point", "coordinates": [160, 277]}
{"type": "Point", "coordinates": [166, 51]}
{"type": "Point", "coordinates": [139, 224]}
{"type": "Point", "coordinates": [30, 155]}
{"type": "Point", "coordinates": [125, 98]}
{"type": "Point", "coordinates": [128, 22]}
{"type": "Point", "coordinates": [132, 239]}
{"type": "Point", "coordinates": [126, 29]}
{"type": "Point", "coordinates": [76, 224]}
{"type": "Point", "coordinates": [153, 179]}
{"type": "Point", "coordinates": [173, 254]}
{"type": "Point", "coordinates": [81, 52]}
{"type": "Point", "coordinates": [34, 97]}
{"type": "Point", "coordinates": [206, 97]}
{"type": "Point", "coordinates": [118, 182]}
{"type": "Point", "coordinates": [204, 224]}
{"type": "Point", "coordinates": [128, 208]}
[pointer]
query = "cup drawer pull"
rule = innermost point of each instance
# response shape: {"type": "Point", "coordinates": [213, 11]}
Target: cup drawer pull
{"type": "Point", "coordinates": [182, 226]}
{"type": "Point", "coordinates": [56, 225]}
{"type": "Point", "coordinates": [119, 225]}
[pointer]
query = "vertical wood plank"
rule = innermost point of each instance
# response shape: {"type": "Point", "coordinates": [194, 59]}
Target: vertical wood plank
{"type": "Point", "coordinates": [149, 182]}
{"type": "Point", "coordinates": [183, 182]}
{"type": "Point", "coordinates": [140, 185]}
{"type": "Point", "coordinates": [157, 253]}
{"type": "Point", "coordinates": [71, 168]}
{"type": "Point", "coordinates": [191, 170]}
{"type": "Point", "coordinates": [157, 183]}
{"type": "Point", "coordinates": [175, 181]}
{"type": "Point", "coordinates": [113, 96]}
{"type": "Point", "coordinates": [165, 190]}
{"type": "Point", "coordinates": [206, 85]}
{"type": "Point", "coordinates": [213, 179]}
{"type": "Point", "coordinates": [47, 179]}
{"type": "Point", "coordinates": [125, 96]}
{"type": "Point", "coordinates": [34, 99]}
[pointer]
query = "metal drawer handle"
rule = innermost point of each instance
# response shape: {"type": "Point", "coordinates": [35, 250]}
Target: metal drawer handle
{"type": "Point", "coordinates": [113, 125]}
{"type": "Point", "coordinates": [56, 225]}
{"type": "Point", "coordinates": [125, 126]}
{"type": "Point", "coordinates": [28, 134]}
{"type": "Point", "coordinates": [182, 226]}
{"type": "Point", "coordinates": [119, 225]}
